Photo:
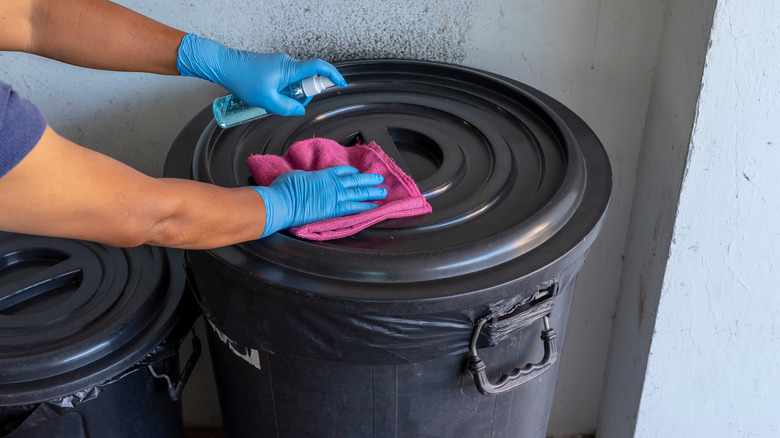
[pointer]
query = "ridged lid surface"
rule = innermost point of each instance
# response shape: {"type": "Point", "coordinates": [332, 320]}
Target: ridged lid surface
{"type": "Point", "coordinates": [74, 314]}
{"type": "Point", "coordinates": [514, 179]}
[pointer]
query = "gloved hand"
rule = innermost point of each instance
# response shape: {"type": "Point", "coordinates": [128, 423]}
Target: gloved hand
{"type": "Point", "coordinates": [298, 197]}
{"type": "Point", "coordinates": [256, 78]}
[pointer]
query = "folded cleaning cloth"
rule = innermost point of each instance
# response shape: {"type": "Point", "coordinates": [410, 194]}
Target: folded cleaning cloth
{"type": "Point", "coordinates": [403, 197]}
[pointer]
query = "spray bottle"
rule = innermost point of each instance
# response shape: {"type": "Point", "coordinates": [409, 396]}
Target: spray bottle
{"type": "Point", "coordinates": [230, 111]}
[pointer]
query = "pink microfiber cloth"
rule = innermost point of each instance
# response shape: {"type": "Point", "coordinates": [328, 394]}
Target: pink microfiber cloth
{"type": "Point", "coordinates": [403, 197]}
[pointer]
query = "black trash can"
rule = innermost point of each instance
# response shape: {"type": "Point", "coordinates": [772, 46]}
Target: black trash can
{"type": "Point", "coordinates": [89, 339]}
{"type": "Point", "coordinates": [443, 325]}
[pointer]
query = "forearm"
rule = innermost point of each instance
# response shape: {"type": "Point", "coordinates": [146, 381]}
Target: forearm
{"type": "Point", "coordinates": [90, 33]}
{"type": "Point", "coordinates": [61, 189]}
{"type": "Point", "coordinates": [201, 216]}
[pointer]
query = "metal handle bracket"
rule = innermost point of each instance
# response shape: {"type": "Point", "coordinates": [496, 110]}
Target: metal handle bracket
{"type": "Point", "coordinates": [175, 391]}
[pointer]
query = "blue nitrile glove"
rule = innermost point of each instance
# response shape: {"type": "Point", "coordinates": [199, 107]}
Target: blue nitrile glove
{"type": "Point", "coordinates": [256, 78]}
{"type": "Point", "coordinates": [298, 197]}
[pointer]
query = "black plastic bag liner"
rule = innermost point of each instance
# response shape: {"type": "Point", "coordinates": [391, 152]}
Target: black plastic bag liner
{"type": "Point", "coordinates": [369, 338]}
{"type": "Point", "coordinates": [84, 329]}
{"type": "Point", "coordinates": [372, 335]}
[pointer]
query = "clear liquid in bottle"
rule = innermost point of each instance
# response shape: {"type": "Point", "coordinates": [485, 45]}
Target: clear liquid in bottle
{"type": "Point", "coordinates": [230, 111]}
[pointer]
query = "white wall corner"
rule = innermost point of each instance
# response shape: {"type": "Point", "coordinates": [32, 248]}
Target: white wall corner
{"type": "Point", "coordinates": [712, 369]}
{"type": "Point", "coordinates": [662, 163]}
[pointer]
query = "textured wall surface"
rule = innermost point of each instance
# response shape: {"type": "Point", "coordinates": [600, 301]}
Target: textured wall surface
{"type": "Point", "coordinates": [713, 368]}
{"type": "Point", "coordinates": [596, 56]}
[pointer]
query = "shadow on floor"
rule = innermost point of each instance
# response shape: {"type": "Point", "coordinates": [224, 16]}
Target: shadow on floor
{"type": "Point", "coordinates": [197, 432]}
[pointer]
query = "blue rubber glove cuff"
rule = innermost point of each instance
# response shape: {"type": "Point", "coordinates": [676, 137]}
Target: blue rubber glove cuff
{"type": "Point", "coordinates": [276, 212]}
{"type": "Point", "coordinates": [196, 55]}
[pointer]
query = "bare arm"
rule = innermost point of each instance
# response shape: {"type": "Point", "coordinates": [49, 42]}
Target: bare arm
{"type": "Point", "coordinates": [89, 33]}
{"type": "Point", "coordinates": [61, 189]}
{"type": "Point", "coordinates": [64, 190]}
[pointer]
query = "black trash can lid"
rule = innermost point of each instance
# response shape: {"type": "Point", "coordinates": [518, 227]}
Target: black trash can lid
{"type": "Point", "coordinates": [75, 314]}
{"type": "Point", "coordinates": [515, 179]}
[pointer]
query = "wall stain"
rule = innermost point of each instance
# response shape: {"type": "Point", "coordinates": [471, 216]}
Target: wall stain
{"type": "Point", "coordinates": [641, 303]}
{"type": "Point", "coordinates": [596, 33]}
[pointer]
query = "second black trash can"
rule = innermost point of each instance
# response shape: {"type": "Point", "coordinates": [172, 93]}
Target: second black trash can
{"type": "Point", "coordinates": [448, 324]}
{"type": "Point", "coordinates": [89, 339]}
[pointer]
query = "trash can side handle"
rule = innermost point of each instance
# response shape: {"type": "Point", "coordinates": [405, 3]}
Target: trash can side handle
{"type": "Point", "coordinates": [519, 376]}
{"type": "Point", "coordinates": [175, 390]}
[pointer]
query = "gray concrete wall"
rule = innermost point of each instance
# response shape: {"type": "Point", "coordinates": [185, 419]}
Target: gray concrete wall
{"type": "Point", "coordinates": [596, 56]}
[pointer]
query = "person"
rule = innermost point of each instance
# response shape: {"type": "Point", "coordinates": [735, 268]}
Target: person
{"type": "Point", "coordinates": [51, 186]}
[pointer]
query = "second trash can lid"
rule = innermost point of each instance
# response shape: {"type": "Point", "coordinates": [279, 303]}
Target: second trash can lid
{"type": "Point", "coordinates": [75, 314]}
{"type": "Point", "coordinates": [515, 180]}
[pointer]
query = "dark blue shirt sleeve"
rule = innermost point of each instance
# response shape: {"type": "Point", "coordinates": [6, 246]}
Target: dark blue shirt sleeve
{"type": "Point", "coordinates": [21, 126]}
